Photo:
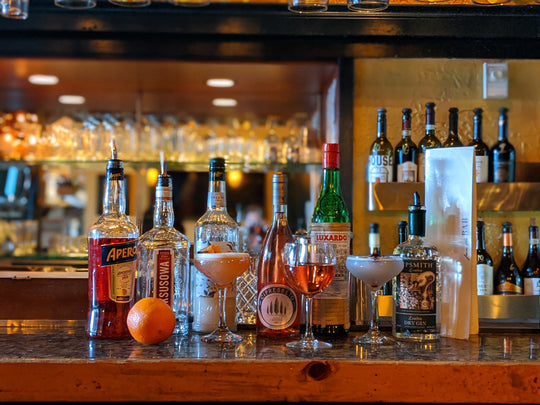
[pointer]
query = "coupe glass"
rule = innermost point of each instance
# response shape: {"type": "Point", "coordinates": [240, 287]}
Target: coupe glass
{"type": "Point", "coordinates": [375, 271]}
{"type": "Point", "coordinates": [309, 269]}
{"type": "Point", "coordinates": [222, 269]}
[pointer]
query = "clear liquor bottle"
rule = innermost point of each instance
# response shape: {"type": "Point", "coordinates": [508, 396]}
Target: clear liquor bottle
{"type": "Point", "coordinates": [278, 305]}
{"type": "Point", "coordinates": [331, 221]}
{"type": "Point", "coordinates": [531, 267]}
{"type": "Point", "coordinates": [481, 150]}
{"type": "Point", "coordinates": [502, 154]}
{"type": "Point", "coordinates": [484, 263]}
{"type": "Point", "coordinates": [429, 140]}
{"type": "Point", "coordinates": [417, 313]}
{"type": "Point", "coordinates": [453, 134]}
{"type": "Point", "coordinates": [380, 168]}
{"type": "Point", "coordinates": [214, 227]}
{"type": "Point", "coordinates": [508, 279]}
{"type": "Point", "coordinates": [111, 274]}
{"type": "Point", "coordinates": [406, 153]}
{"type": "Point", "coordinates": [163, 257]}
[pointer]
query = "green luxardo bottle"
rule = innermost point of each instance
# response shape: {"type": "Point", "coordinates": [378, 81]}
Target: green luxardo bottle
{"type": "Point", "coordinates": [331, 222]}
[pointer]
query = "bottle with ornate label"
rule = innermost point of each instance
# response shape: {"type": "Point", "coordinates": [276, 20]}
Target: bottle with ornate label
{"type": "Point", "coordinates": [429, 140]}
{"type": "Point", "coordinates": [331, 222]}
{"type": "Point", "coordinates": [531, 268]}
{"type": "Point", "coordinates": [163, 257]}
{"type": "Point", "coordinates": [278, 305]}
{"type": "Point", "coordinates": [453, 134]}
{"type": "Point", "coordinates": [417, 312]}
{"type": "Point", "coordinates": [380, 168]}
{"type": "Point", "coordinates": [502, 154]}
{"type": "Point", "coordinates": [112, 260]}
{"type": "Point", "coordinates": [508, 279]}
{"type": "Point", "coordinates": [481, 150]}
{"type": "Point", "coordinates": [484, 263]}
{"type": "Point", "coordinates": [215, 227]}
{"type": "Point", "coordinates": [406, 154]}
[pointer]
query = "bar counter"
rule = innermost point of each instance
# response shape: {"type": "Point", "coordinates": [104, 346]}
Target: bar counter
{"type": "Point", "coordinates": [61, 364]}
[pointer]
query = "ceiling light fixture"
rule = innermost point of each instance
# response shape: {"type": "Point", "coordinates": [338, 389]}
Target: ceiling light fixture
{"type": "Point", "coordinates": [43, 80]}
{"type": "Point", "coordinates": [224, 102]}
{"type": "Point", "coordinates": [71, 99]}
{"type": "Point", "coordinates": [220, 82]}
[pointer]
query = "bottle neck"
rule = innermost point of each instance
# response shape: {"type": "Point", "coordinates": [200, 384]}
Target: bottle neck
{"type": "Point", "coordinates": [507, 244]}
{"type": "Point", "coordinates": [453, 125]}
{"type": "Point", "coordinates": [533, 240]}
{"type": "Point", "coordinates": [503, 127]}
{"type": "Point", "coordinates": [331, 180]}
{"type": "Point", "coordinates": [216, 194]}
{"type": "Point", "coordinates": [374, 244]}
{"type": "Point", "coordinates": [381, 126]}
{"type": "Point", "coordinates": [402, 234]}
{"type": "Point", "coordinates": [114, 198]}
{"type": "Point", "coordinates": [480, 240]}
{"type": "Point", "coordinates": [477, 128]}
{"type": "Point", "coordinates": [430, 122]}
{"type": "Point", "coordinates": [164, 210]}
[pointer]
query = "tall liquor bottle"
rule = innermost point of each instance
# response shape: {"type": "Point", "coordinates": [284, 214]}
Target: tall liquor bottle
{"type": "Point", "coordinates": [416, 315]}
{"type": "Point", "coordinates": [215, 227]}
{"type": "Point", "coordinates": [278, 305]}
{"type": "Point", "coordinates": [453, 134]}
{"type": "Point", "coordinates": [531, 268]}
{"type": "Point", "coordinates": [331, 222]}
{"type": "Point", "coordinates": [406, 153]}
{"type": "Point", "coordinates": [481, 150]}
{"type": "Point", "coordinates": [429, 140]}
{"type": "Point", "coordinates": [380, 167]}
{"type": "Point", "coordinates": [502, 154]}
{"type": "Point", "coordinates": [508, 279]}
{"type": "Point", "coordinates": [484, 263]}
{"type": "Point", "coordinates": [163, 253]}
{"type": "Point", "coordinates": [112, 260]}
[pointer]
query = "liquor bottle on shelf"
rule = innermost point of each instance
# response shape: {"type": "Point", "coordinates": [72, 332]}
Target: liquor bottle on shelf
{"type": "Point", "coordinates": [481, 150]}
{"type": "Point", "coordinates": [531, 267]}
{"type": "Point", "coordinates": [380, 167]}
{"type": "Point", "coordinates": [278, 305]}
{"type": "Point", "coordinates": [417, 315]}
{"type": "Point", "coordinates": [453, 134]}
{"type": "Point", "coordinates": [508, 279]}
{"type": "Point", "coordinates": [331, 222]}
{"type": "Point", "coordinates": [163, 257]}
{"type": "Point", "coordinates": [406, 153]}
{"type": "Point", "coordinates": [502, 154]}
{"type": "Point", "coordinates": [429, 140]}
{"type": "Point", "coordinates": [484, 263]}
{"type": "Point", "coordinates": [112, 259]}
{"type": "Point", "coordinates": [215, 227]}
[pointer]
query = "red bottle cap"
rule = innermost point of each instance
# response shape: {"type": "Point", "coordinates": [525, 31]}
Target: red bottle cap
{"type": "Point", "coordinates": [330, 156]}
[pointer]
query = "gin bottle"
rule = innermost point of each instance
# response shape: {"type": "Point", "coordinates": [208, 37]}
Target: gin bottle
{"type": "Point", "coordinates": [163, 252]}
{"type": "Point", "coordinates": [416, 315]}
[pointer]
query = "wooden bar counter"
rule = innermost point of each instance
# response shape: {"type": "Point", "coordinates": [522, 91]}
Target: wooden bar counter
{"type": "Point", "coordinates": [60, 364]}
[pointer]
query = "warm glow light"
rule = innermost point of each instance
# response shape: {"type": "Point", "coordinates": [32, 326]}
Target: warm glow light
{"type": "Point", "coordinates": [151, 176]}
{"type": "Point", "coordinates": [220, 82]}
{"type": "Point", "coordinates": [224, 102]}
{"type": "Point", "coordinates": [44, 80]}
{"type": "Point", "coordinates": [234, 178]}
{"type": "Point", "coordinates": [71, 99]}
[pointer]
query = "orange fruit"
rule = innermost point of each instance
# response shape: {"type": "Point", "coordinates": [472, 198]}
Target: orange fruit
{"type": "Point", "coordinates": [151, 321]}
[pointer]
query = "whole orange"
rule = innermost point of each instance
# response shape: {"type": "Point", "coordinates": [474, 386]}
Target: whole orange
{"type": "Point", "coordinates": [151, 321]}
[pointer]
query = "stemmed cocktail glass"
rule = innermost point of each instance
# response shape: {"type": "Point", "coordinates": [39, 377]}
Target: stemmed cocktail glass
{"type": "Point", "coordinates": [222, 269]}
{"type": "Point", "coordinates": [309, 269]}
{"type": "Point", "coordinates": [375, 271]}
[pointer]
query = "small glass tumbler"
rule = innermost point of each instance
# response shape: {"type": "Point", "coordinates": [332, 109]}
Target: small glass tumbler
{"type": "Point", "coordinates": [75, 4]}
{"type": "Point", "coordinates": [367, 5]}
{"type": "Point", "coordinates": [16, 9]}
{"type": "Point", "coordinates": [308, 6]}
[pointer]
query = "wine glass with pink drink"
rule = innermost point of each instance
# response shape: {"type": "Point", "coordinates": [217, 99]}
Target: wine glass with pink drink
{"type": "Point", "coordinates": [375, 271]}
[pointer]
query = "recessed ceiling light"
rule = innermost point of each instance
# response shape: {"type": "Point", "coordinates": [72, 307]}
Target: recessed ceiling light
{"type": "Point", "coordinates": [224, 102]}
{"type": "Point", "coordinates": [220, 82]}
{"type": "Point", "coordinates": [46, 80]}
{"type": "Point", "coordinates": [71, 99]}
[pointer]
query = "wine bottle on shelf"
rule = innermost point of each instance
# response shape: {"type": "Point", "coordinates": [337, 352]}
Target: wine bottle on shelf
{"type": "Point", "coordinates": [502, 154]}
{"type": "Point", "coordinates": [406, 153]}
{"type": "Point", "coordinates": [163, 257]}
{"type": "Point", "coordinates": [112, 259]}
{"type": "Point", "coordinates": [417, 315]}
{"type": "Point", "coordinates": [331, 222]}
{"type": "Point", "coordinates": [531, 267]}
{"type": "Point", "coordinates": [429, 140]}
{"type": "Point", "coordinates": [453, 134]}
{"type": "Point", "coordinates": [508, 279]}
{"type": "Point", "coordinates": [214, 227]}
{"type": "Point", "coordinates": [484, 263]}
{"type": "Point", "coordinates": [380, 167]}
{"type": "Point", "coordinates": [481, 150]}
{"type": "Point", "coordinates": [278, 305]}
